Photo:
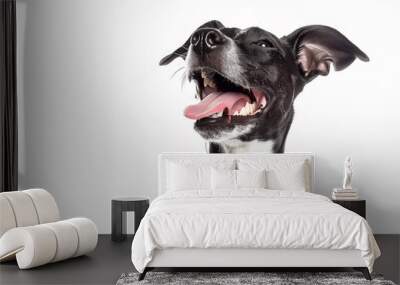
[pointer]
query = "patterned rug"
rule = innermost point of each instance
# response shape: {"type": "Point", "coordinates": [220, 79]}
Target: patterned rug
{"type": "Point", "coordinates": [244, 278]}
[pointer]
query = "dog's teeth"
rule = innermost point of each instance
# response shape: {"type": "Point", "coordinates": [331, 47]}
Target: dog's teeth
{"type": "Point", "coordinates": [208, 82]}
{"type": "Point", "coordinates": [217, 115]}
{"type": "Point", "coordinates": [248, 109]}
{"type": "Point", "coordinates": [253, 108]}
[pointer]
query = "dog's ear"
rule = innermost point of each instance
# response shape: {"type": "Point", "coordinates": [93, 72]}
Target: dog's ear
{"type": "Point", "coordinates": [315, 47]}
{"type": "Point", "coordinates": [182, 50]}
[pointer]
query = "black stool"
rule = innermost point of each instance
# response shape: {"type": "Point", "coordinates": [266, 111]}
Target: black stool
{"type": "Point", "coordinates": [119, 207]}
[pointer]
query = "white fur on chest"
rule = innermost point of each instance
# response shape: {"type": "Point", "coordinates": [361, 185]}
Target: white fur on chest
{"type": "Point", "coordinates": [238, 146]}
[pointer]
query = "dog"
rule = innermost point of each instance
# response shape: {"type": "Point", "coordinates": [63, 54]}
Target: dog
{"type": "Point", "coordinates": [248, 79]}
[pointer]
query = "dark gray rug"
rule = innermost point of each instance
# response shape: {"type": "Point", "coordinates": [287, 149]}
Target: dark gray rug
{"type": "Point", "coordinates": [243, 278]}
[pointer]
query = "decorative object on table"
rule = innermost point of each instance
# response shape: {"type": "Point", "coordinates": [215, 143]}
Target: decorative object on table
{"type": "Point", "coordinates": [248, 278]}
{"type": "Point", "coordinates": [348, 173]}
{"type": "Point", "coordinates": [119, 207]}
{"type": "Point", "coordinates": [31, 230]}
{"type": "Point", "coordinates": [346, 192]}
{"type": "Point", "coordinates": [357, 206]}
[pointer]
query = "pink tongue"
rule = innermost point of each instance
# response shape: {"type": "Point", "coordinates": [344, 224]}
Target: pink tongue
{"type": "Point", "coordinates": [216, 102]}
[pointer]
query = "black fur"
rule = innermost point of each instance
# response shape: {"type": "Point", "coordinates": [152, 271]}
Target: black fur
{"type": "Point", "coordinates": [279, 67]}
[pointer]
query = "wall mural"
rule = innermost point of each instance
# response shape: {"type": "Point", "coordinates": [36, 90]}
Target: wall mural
{"type": "Point", "coordinates": [248, 79]}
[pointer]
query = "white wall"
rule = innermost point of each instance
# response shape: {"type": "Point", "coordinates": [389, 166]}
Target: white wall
{"type": "Point", "coordinates": [95, 109]}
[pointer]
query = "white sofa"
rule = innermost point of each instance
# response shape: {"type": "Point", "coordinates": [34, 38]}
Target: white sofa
{"type": "Point", "coordinates": [31, 230]}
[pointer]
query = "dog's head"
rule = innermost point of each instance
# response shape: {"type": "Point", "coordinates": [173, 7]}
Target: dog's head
{"type": "Point", "coordinates": [248, 79]}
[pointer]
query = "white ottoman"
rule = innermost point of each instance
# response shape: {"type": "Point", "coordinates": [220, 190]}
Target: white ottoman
{"type": "Point", "coordinates": [31, 232]}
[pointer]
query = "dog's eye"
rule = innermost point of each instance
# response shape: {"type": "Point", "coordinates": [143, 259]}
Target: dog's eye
{"type": "Point", "coordinates": [264, 44]}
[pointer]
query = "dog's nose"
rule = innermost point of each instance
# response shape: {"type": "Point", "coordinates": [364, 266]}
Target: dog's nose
{"type": "Point", "coordinates": [204, 40]}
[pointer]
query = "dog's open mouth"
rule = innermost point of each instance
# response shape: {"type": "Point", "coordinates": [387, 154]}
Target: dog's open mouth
{"type": "Point", "coordinates": [220, 97]}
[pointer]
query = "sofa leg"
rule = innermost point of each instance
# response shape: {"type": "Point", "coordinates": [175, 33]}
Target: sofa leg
{"type": "Point", "coordinates": [142, 275]}
{"type": "Point", "coordinates": [364, 271]}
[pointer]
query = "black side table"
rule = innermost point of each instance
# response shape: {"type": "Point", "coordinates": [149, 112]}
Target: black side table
{"type": "Point", "coordinates": [119, 207]}
{"type": "Point", "coordinates": [357, 206]}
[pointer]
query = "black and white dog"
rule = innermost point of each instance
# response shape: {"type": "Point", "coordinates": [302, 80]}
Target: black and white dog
{"type": "Point", "coordinates": [248, 79]}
